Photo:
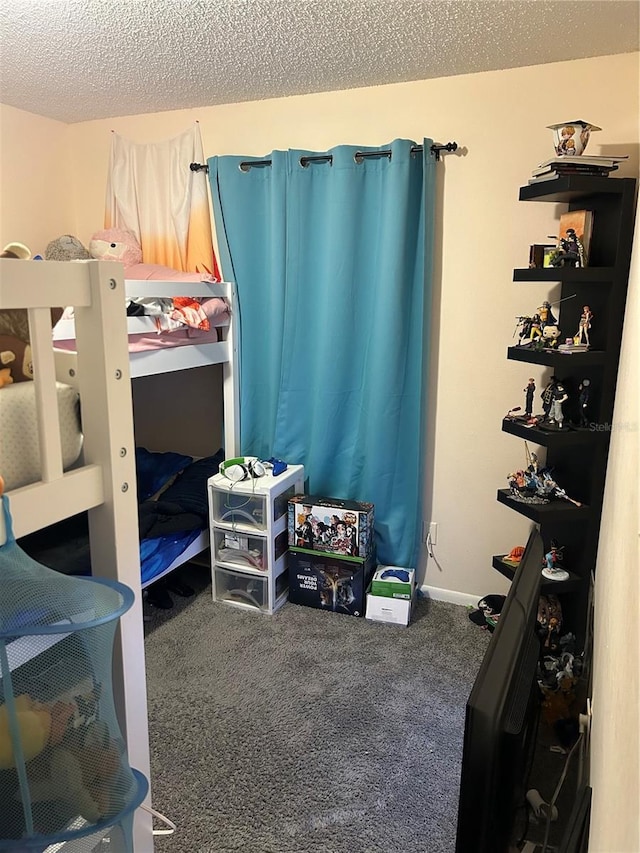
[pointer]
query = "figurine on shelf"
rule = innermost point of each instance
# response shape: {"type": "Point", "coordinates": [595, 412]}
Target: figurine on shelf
{"type": "Point", "coordinates": [546, 315]}
{"type": "Point", "coordinates": [585, 392]}
{"type": "Point", "coordinates": [547, 396]}
{"type": "Point", "coordinates": [529, 391]}
{"type": "Point", "coordinates": [582, 335]}
{"type": "Point", "coordinates": [551, 569]}
{"type": "Point", "coordinates": [559, 396]}
{"type": "Point", "coordinates": [570, 251]}
{"type": "Point", "coordinates": [534, 484]}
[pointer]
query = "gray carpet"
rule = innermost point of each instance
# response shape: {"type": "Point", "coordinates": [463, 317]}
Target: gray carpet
{"type": "Point", "coordinates": [307, 731]}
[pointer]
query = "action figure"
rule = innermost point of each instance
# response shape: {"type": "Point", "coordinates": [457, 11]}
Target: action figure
{"type": "Point", "coordinates": [570, 251]}
{"type": "Point", "coordinates": [582, 335]}
{"type": "Point", "coordinates": [546, 315]}
{"type": "Point", "coordinates": [585, 393]}
{"type": "Point", "coordinates": [547, 396]}
{"type": "Point", "coordinates": [551, 570]}
{"type": "Point", "coordinates": [558, 398]}
{"type": "Point", "coordinates": [529, 391]}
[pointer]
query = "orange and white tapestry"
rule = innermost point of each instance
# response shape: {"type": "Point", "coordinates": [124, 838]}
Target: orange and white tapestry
{"type": "Point", "coordinates": [152, 191]}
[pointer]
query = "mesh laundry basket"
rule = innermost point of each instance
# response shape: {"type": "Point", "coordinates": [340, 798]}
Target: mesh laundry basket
{"type": "Point", "coordinates": [64, 773]}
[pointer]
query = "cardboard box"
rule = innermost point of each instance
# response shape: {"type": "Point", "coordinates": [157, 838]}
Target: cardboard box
{"type": "Point", "coordinates": [331, 525]}
{"type": "Point", "coordinates": [395, 611]}
{"type": "Point", "coordinates": [328, 581]}
{"type": "Point", "coordinates": [393, 582]}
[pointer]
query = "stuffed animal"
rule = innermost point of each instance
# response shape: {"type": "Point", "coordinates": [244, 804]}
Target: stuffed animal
{"type": "Point", "coordinates": [83, 776]}
{"type": "Point", "coordinates": [14, 322]}
{"type": "Point", "coordinates": [34, 725]}
{"type": "Point", "coordinates": [66, 248]}
{"type": "Point", "coordinates": [16, 250]}
{"type": "Point", "coordinates": [16, 357]}
{"type": "Point", "coordinates": [116, 244]}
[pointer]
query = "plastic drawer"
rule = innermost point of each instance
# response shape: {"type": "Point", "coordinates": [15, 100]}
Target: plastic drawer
{"type": "Point", "coordinates": [243, 590]}
{"type": "Point", "coordinates": [246, 509]}
{"type": "Point", "coordinates": [240, 550]}
{"type": "Point", "coordinates": [238, 509]}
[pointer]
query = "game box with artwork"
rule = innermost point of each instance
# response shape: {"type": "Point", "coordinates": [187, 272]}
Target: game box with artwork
{"type": "Point", "coordinates": [329, 581]}
{"type": "Point", "coordinates": [332, 525]}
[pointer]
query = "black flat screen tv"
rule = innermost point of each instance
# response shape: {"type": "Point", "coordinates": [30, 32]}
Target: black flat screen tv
{"type": "Point", "coordinates": [501, 717]}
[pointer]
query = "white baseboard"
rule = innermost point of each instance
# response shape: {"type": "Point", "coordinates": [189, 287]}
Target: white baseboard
{"type": "Point", "coordinates": [451, 596]}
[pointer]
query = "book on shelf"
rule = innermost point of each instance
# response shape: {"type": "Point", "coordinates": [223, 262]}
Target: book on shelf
{"type": "Point", "coordinates": [573, 169]}
{"type": "Point", "coordinates": [552, 174]}
{"type": "Point", "coordinates": [582, 161]}
{"type": "Point", "coordinates": [581, 221]}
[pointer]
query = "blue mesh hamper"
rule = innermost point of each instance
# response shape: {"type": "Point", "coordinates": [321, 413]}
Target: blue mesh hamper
{"type": "Point", "coordinates": [64, 773]}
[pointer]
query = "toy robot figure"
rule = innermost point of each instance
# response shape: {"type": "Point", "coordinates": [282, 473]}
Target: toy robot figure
{"type": "Point", "coordinates": [582, 335]}
{"type": "Point", "coordinates": [585, 393]}
{"type": "Point", "coordinates": [558, 398]}
{"type": "Point", "coordinates": [529, 391]}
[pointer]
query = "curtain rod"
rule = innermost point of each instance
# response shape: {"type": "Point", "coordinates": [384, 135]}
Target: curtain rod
{"type": "Point", "coordinates": [359, 156]}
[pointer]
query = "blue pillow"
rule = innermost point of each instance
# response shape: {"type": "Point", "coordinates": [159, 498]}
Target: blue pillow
{"type": "Point", "coordinates": [154, 470]}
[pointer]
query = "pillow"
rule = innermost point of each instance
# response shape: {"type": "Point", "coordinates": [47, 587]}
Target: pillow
{"type": "Point", "coordinates": [154, 470]}
{"type": "Point", "coordinates": [190, 489]}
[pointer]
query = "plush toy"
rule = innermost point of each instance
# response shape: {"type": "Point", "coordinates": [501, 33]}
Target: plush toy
{"type": "Point", "coordinates": [82, 771]}
{"type": "Point", "coordinates": [66, 248]}
{"type": "Point", "coordinates": [16, 250]}
{"type": "Point", "coordinates": [5, 377]}
{"type": "Point", "coordinates": [16, 357]}
{"type": "Point", "coordinates": [34, 724]}
{"type": "Point", "coordinates": [14, 322]}
{"type": "Point", "coordinates": [115, 244]}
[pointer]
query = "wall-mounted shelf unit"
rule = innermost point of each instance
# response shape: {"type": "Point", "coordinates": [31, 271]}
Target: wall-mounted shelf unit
{"type": "Point", "coordinates": [578, 454]}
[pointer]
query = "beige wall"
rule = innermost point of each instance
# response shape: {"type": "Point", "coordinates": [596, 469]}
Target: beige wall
{"type": "Point", "coordinates": [36, 201]}
{"type": "Point", "coordinates": [615, 753]}
{"type": "Point", "coordinates": [498, 119]}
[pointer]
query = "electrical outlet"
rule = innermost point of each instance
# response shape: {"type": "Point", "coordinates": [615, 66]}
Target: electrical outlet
{"type": "Point", "coordinates": [433, 533]}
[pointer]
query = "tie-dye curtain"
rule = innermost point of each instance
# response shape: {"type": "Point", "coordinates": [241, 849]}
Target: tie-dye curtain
{"type": "Point", "coordinates": [152, 192]}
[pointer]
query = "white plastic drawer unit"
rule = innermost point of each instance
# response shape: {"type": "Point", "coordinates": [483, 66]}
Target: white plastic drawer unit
{"type": "Point", "coordinates": [243, 551]}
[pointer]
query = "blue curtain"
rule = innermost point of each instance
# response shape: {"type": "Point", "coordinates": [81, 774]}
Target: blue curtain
{"type": "Point", "coordinates": [332, 263]}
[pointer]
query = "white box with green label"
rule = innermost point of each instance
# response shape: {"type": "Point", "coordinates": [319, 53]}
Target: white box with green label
{"type": "Point", "coordinates": [393, 582]}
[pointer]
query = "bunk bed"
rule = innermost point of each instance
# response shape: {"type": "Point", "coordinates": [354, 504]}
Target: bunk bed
{"type": "Point", "coordinates": [102, 482]}
{"type": "Point", "coordinates": [66, 547]}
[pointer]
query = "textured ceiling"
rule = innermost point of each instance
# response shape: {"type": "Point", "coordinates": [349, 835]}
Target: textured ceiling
{"type": "Point", "coordinates": [76, 60]}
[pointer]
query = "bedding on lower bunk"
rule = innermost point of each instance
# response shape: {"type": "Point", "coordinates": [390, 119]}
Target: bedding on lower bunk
{"type": "Point", "coordinates": [20, 445]}
{"type": "Point", "coordinates": [172, 510]}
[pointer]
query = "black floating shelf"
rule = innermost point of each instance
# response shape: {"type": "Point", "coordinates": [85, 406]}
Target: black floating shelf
{"type": "Point", "coordinates": [585, 275]}
{"type": "Point", "coordinates": [572, 187]}
{"type": "Point", "coordinates": [566, 437]}
{"type": "Point", "coordinates": [553, 358]}
{"type": "Point", "coordinates": [574, 581]}
{"type": "Point", "coordinates": [556, 510]}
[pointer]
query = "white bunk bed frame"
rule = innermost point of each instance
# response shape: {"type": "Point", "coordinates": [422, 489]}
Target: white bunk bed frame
{"type": "Point", "coordinates": [151, 362]}
{"type": "Point", "coordinates": [105, 484]}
